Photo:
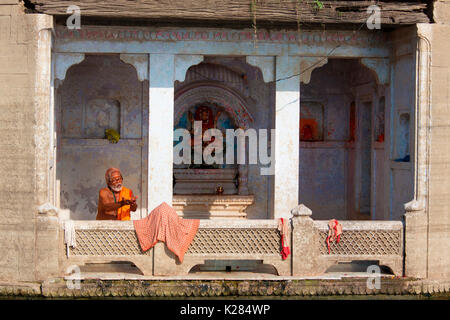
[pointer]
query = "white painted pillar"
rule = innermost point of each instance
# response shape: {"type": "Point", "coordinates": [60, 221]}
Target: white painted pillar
{"type": "Point", "coordinates": [164, 70]}
{"type": "Point", "coordinates": [160, 127]}
{"type": "Point", "coordinates": [287, 121]}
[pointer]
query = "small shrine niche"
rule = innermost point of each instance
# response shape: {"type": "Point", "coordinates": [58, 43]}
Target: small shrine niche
{"type": "Point", "coordinates": [212, 116]}
{"type": "Point", "coordinates": [217, 93]}
{"type": "Point", "coordinates": [311, 122]}
{"type": "Point", "coordinates": [217, 190]}
{"type": "Point", "coordinates": [101, 114]}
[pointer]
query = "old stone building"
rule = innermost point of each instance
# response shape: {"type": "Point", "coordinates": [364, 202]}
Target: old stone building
{"type": "Point", "coordinates": [354, 99]}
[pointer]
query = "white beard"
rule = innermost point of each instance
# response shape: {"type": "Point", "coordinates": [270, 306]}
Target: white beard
{"type": "Point", "coordinates": [117, 188]}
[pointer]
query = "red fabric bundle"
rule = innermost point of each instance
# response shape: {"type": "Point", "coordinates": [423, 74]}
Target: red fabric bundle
{"type": "Point", "coordinates": [334, 232]}
{"type": "Point", "coordinates": [284, 230]}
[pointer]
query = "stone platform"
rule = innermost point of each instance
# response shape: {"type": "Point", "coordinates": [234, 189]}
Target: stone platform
{"type": "Point", "coordinates": [232, 287]}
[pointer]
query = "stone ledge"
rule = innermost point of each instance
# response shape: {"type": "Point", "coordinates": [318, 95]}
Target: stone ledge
{"type": "Point", "coordinates": [390, 288]}
{"type": "Point", "coordinates": [28, 289]}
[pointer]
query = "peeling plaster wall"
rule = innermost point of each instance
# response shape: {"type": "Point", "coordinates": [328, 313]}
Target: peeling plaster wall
{"type": "Point", "coordinates": [101, 92]}
{"type": "Point", "coordinates": [25, 48]}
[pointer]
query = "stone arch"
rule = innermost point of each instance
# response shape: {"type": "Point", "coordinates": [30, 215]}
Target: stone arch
{"type": "Point", "coordinates": [101, 92]}
{"type": "Point", "coordinates": [208, 71]}
{"type": "Point", "coordinates": [215, 93]}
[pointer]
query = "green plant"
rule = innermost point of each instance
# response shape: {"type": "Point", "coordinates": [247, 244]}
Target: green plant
{"type": "Point", "coordinates": [318, 4]}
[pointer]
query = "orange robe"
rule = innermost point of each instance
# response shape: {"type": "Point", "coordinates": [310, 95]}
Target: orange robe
{"type": "Point", "coordinates": [123, 213]}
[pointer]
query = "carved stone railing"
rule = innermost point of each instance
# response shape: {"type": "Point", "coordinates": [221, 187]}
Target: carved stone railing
{"type": "Point", "coordinates": [380, 241]}
{"type": "Point", "coordinates": [241, 239]}
{"type": "Point", "coordinates": [227, 239]}
{"type": "Point", "coordinates": [107, 241]}
{"type": "Point", "coordinates": [363, 240]}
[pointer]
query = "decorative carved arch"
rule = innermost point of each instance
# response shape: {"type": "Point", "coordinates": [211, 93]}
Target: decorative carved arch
{"type": "Point", "coordinates": [379, 68]}
{"type": "Point", "coordinates": [209, 92]}
{"type": "Point", "coordinates": [64, 61]}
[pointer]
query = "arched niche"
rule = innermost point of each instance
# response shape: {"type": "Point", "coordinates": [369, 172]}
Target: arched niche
{"type": "Point", "coordinates": [101, 92]}
{"type": "Point", "coordinates": [213, 93]}
{"type": "Point", "coordinates": [233, 179]}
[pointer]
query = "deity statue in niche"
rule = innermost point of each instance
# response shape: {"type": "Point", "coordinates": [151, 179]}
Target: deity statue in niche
{"type": "Point", "coordinates": [205, 115]}
{"type": "Point", "coordinates": [308, 130]}
{"type": "Point", "coordinates": [232, 177]}
{"type": "Point", "coordinates": [212, 117]}
{"type": "Point", "coordinates": [311, 122]}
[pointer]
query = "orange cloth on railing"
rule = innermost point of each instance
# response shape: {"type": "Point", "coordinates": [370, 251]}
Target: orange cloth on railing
{"type": "Point", "coordinates": [334, 232]}
{"type": "Point", "coordinates": [163, 224]}
{"type": "Point", "coordinates": [283, 227]}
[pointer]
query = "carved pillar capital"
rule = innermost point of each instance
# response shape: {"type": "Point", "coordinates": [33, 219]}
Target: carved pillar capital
{"type": "Point", "coordinates": [381, 68]}
{"type": "Point", "coordinates": [414, 206]}
{"type": "Point", "coordinates": [183, 62]}
{"type": "Point", "coordinates": [139, 62]}
{"type": "Point", "coordinates": [63, 61]}
{"type": "Point", "coordinates": [48, 209]}
{"type": "Point", "coordinates": [266, 64]}
{"type": "Point", "coordinates": [308, 65]}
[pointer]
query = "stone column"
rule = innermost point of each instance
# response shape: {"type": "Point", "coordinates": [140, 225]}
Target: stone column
{"type": "Point", "coordinates": [416, 236]}
{"type": "Point", "coordinates": [160, 129]}
{"type": "Point", "coordinates": [287, 119]}
{"type": "Point", "coordinates": [305, 251]}
{"type": "Point", "coordinates": [45, 253]}
{"type": "Point", "coordinates": [164, 70]}
{"type": "Point", "coordinates": [417, 210]}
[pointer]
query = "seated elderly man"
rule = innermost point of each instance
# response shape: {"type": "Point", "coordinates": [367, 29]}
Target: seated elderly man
{"type": "Point", "coordinates": [115, 202]}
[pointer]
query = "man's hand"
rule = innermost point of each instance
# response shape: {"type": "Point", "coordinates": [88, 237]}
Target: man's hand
{"type": "Point", "coordinates": [130, 202]}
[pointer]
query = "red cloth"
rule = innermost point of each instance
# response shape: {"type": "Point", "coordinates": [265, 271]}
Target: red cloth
{"type": "Point", "coordinates": [334, 232]}
{"type": "Point", "coordinates": [284, 231]}
{"type": "Point", "coordinates": [163, 224]}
